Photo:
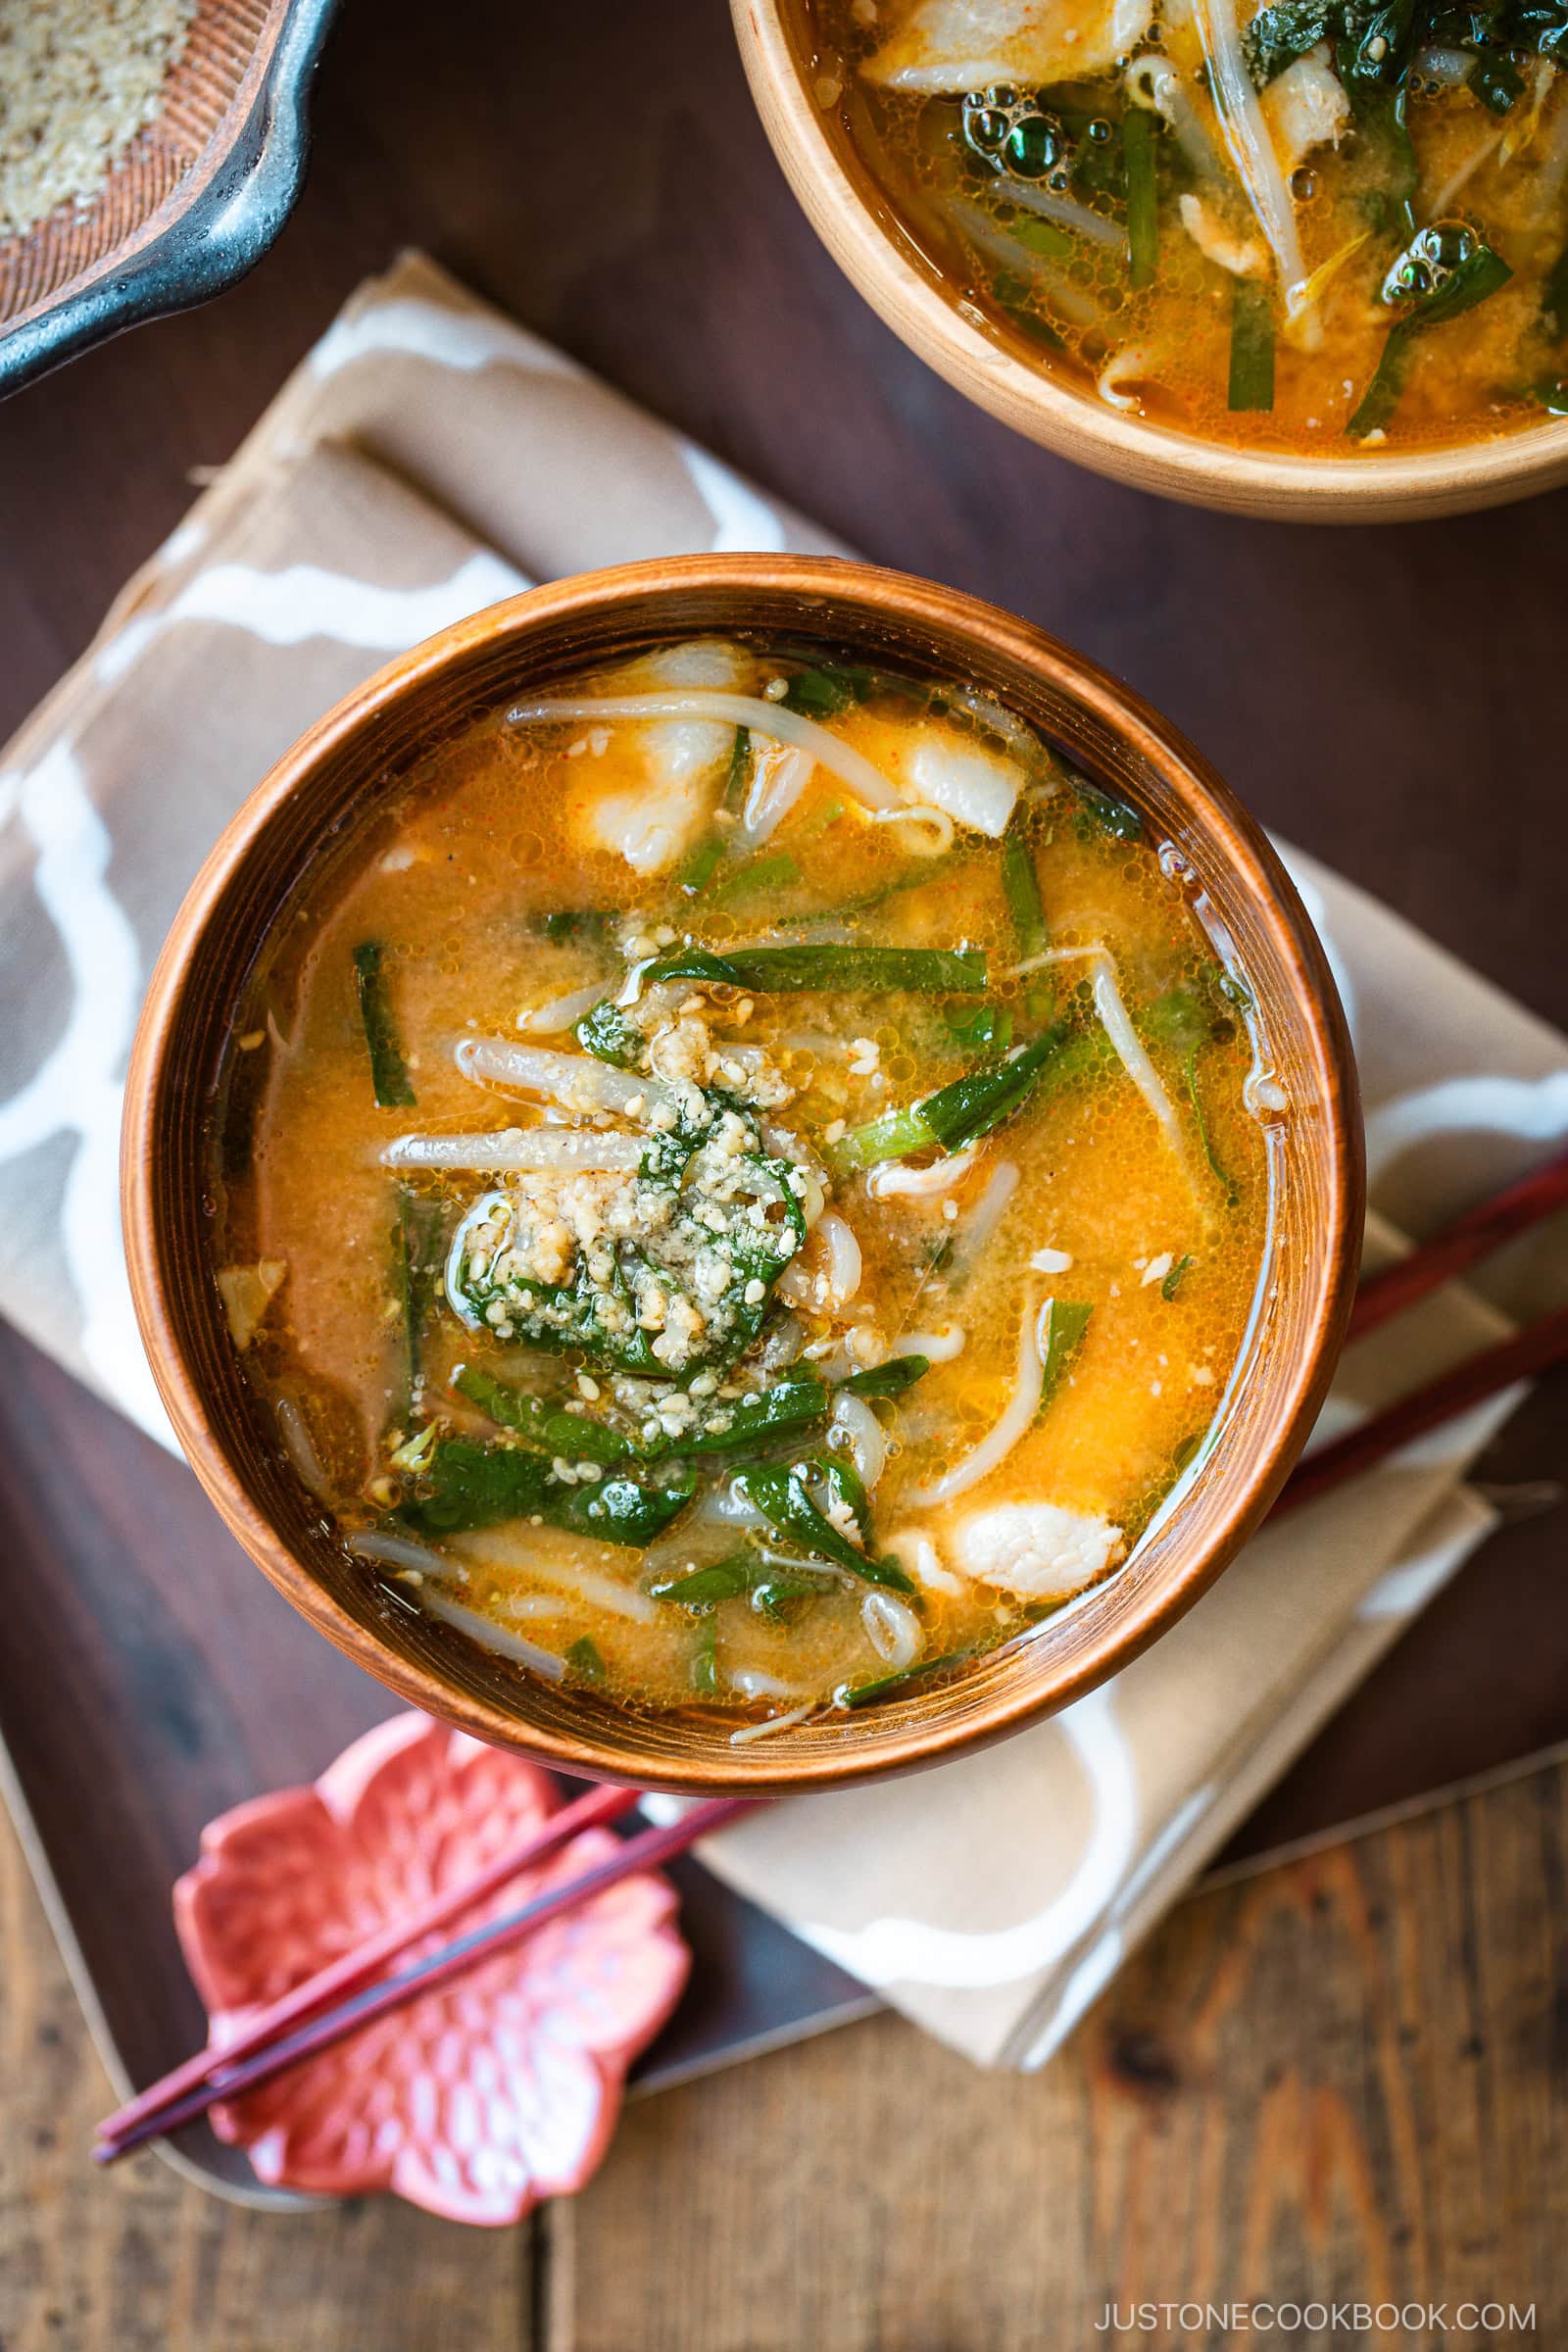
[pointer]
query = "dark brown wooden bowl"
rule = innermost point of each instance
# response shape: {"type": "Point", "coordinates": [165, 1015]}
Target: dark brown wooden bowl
{"type": "Point", "coordinates": [357, 754]}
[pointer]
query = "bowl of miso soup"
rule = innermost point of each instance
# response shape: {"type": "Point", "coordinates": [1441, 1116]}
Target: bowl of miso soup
{"type": "Point", "coordinates": [742, 1171]}
{"type": "Point", "coordinates": [1296, 259]}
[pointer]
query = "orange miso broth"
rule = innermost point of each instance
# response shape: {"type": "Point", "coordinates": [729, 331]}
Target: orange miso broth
{"type": "Point", "coordinates": [1326, 227]}
{"type": "Point", "coordinates": [745, 1183]}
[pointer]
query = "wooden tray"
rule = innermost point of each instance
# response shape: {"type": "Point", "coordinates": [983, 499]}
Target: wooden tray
{"type": "Point", "coordinates": [151, 1677]}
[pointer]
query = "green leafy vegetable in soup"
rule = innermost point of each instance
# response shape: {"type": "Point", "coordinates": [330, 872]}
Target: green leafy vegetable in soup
{"type": "Point", "coordinates": [767, 1299]}
{"type": "Point", "coordinates": [1326, 227]}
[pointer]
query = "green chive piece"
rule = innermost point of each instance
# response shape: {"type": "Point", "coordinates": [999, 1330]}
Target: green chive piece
{"type": "Point", "coordinates": [1227, 1187]}
{"type": "Point", "coordinates": [567, 925]}
{"type": "Point", "coordinates": [705, 1660]}
{"type": "Point", "coordinates": [780, 1493]}
{"type": "Point", "coordinates": [894, 1136]}
{"type": "Point", "coordinates": [970, 1107]}
{"type": "Point", "coordinates": [389, 1072]}
{"type": "Point", "coordinates": [584, 1659]}
{"type": "Point", "coordinates": [866, 1695]}
{"type": "Point", "coordinates": [1173, 1280]}
{"type": "Point", "coordinates": [1443, 273]}
{"type": "Point", "coordinates": [415, 1235]}
{"type": "Point", "coordinates": [1020, 887]}
{"type": "Point", "coordinates": [823, 692]}
{"type": "Point", "coordinates": [1142, 158]}
{"type": "Point", "coordinates": [572, 1437]}
{"type": "Point", "coordinates": [738, 775]}
{"type": "Point", "coordinates": [937, 971]}
{"type": "Point", "coordinates": [701, 865]}
{"type": "Point", "coordinates": [779, 872]}
{"type": "Point", "coordinates": [788, 1404]}
{"type": "Point", "coordinates": [704, 1588]}
{"type": "Point", "coordinates": [1252, 376]}
{"type": "Point", "coordinates": [1066, 1321]}
{"type": "Point", "coordinates": [987, 1025]}
{"type": "Point", "coordinates": [1103, 809]}
{"type": "Point", "coordinates": [892, 1379]}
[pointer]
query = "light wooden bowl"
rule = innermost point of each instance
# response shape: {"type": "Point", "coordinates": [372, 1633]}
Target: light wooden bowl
{"type": "Point", "coordinates": [859, 228]}
{"type": "Point", "coordinates": [358, 755]}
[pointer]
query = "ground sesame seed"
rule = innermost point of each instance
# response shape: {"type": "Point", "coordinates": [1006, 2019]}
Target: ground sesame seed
{"type": "Point", "coordinates": [81, 79]}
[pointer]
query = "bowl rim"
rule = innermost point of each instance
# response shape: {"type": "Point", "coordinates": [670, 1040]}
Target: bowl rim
{"type": "Point", "coordinates": [870, 249]}
{"type": "Point", "coordinates": [243, 194]}
{"type": "Point", "coordinates": [637, 593]}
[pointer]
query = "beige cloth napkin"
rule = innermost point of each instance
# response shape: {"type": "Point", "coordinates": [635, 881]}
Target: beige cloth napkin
{"type": "Point", "coordinates": [425, 459]}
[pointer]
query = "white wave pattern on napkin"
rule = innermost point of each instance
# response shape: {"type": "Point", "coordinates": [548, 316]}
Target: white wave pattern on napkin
{"type": "Point", "coordinates": [284, 607]}
{"type": "Point", "coordinates": [991, 1899]}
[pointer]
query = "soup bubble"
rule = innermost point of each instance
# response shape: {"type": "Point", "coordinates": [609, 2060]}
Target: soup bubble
{"type": "Point", "coordinates": [1033, 146]}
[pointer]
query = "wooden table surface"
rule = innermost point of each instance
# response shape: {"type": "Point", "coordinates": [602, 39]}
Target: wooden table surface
{"type": "Point", "coordinates": [1341, 2080]}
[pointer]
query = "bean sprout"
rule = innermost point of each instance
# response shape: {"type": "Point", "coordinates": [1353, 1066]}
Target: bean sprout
{"type": "Point", "coordinates": [833, 1276]}
{"type": "Point", "coordinates": [916, 1551]}
{"type": "Point", "coordinates": [1064, 212]}
{"type": "Point", "coordinates": [753, 1683]}
{"type": "Point", "coordinates": [495, 1636]}
{"type": "Point", "coordinates": [1118, 1027]}
{"type": "Point", "coordinates": [1246, 135]}
{"type": "Point", "coordinates": [891, 1628]}
{"type": "Point", "coordinates": [774, 1723]}
{"type": "Point", "coordinates": [518, 1151]}
{"type": "Point", "coordinates": [936, 1347]}
{"type": "Point", "coordinates": [300, 1446]}
{"type": "Point", "coordinates": [495, 1548]}
{"type": "Point", "coordinates": [1152, 82]}
{"type": "Point", "coordinates": [775, 788]}
{"type": "Point", "coordinates": [856, 1427]}
{"type": "Point", "coordinates": [1033, 1340]}
{"type": "Point", "coordinates": [1133, 364]}
{"type": "Point", "coordinates": [937, 822]}
{"type": "Point", "coordinates": [387, 1551]}
{"type": "Point", "coordinates": [894, 1180]}
{"type": "Point", "coordinates": [576, 1081]}
{"type": "Point", "coordinates": [769, 719]}
{"type": "Point", "coordinates": [561, 1012]}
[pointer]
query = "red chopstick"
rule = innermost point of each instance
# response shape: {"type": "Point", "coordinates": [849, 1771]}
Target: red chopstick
{"type": "Point", "coordinates": [1460, 1246]}
{"type": "Point", "coordinates": [1529, 1352]}
{"type": "Point", "coordinates": [162, 2113]}
{"type": "Point", "coordinates": [593, 1810]}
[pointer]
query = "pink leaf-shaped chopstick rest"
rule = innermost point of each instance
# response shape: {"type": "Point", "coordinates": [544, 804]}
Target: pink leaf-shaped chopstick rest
{"type": "Point", "coordinates": [478, 2099]}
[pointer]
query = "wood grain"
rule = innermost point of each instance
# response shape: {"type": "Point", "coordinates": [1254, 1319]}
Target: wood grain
{"type": "Point", "coordinates": [139, 2261]}
{"type": "Point", "coordinates": [1344, 2079]}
